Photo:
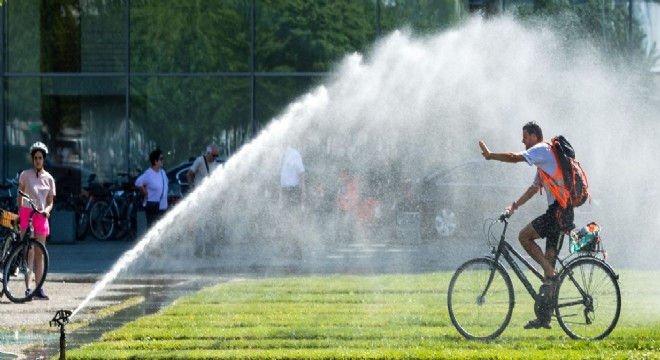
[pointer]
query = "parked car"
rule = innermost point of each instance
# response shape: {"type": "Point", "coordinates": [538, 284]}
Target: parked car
{"type": "Point", "coordinates": [177, 181]}
{"type": "Point", "coordinates": [456, 199]}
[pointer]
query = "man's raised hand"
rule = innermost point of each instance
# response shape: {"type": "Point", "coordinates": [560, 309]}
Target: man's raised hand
{"type": "Point", "coordinates": [484, 150]}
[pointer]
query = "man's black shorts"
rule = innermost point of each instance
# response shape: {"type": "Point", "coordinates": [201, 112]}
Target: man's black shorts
{"type": "Point", "coordinates": [550, 224]}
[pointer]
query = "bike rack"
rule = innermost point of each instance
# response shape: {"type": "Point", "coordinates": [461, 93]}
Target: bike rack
{"type": "Point", "coordinates": [61, 318]}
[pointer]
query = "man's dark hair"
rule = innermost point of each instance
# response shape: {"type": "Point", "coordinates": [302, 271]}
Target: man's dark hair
{"type": "Point", "coordinates": [533, 128]}
{"type": "Point", "coordinates": [154, 156]}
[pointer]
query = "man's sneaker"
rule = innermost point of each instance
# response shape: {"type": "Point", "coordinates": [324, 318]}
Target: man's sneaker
{"type": "Point", "coordinates": [28, 292]}
{"type": "Point", "coordinates": [537, 324]}
{"type": "Point", "coordinates": [41, 295]}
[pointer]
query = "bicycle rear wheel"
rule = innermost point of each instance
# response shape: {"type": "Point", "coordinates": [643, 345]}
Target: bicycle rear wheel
{"type": "Point", "coordinates": [82, 217]}
{"type": "Point", "coordinates": [588, 299]}
{"type": "Point", "coordinates": [480, 299]}
{"type": "Point", "coordinates": [127, 223]}
{"type": "Point", "coordinates": [102, 217]}
{"type": "Point", "coordinates": [19, 273]}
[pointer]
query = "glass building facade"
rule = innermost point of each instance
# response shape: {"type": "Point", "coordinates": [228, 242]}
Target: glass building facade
{"type": "Point", "coordinates": [104, 82]}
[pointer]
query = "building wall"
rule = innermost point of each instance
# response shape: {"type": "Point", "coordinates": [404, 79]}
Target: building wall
{"type": "Point", "coordinates": [103, 82]}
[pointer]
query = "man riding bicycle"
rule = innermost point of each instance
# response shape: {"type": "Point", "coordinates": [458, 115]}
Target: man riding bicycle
{"type": "Point", "coordinates": [549, 225]}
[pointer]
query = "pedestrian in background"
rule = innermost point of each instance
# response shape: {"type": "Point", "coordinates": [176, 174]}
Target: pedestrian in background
{"type": "Point", "coordinates": [203, 166]}
{"type": "Point", "coordinates": [153, 184]}
{"type": "Point", "coordinates": [292, 196]}
{"type": "Point", "coordinates": [292, 178]}
{"type": "Point", "coordinates": [39, 185]}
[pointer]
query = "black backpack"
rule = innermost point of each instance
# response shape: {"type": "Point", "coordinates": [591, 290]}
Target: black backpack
{"type": "Point", "coordinates": [575, 179]}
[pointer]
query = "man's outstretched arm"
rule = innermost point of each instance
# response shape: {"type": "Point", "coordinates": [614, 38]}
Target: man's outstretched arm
{"type": "Point", "coordinates": [504, 157]}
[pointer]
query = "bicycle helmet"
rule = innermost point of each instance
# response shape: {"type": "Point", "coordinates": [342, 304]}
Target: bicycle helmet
{"type": "Point", "coordinates": [39, 146]}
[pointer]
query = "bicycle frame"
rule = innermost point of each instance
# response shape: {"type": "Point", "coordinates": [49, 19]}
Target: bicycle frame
{"type": "Point", "coordinates": [16, 238]}
{"type": "Point", "coordinates": [507, 251]}
{"type": "Point", "coordinates": [583, 279]}
{"type": "Point", "coordinates": [28, 231]}
{"type": "Point", "coordinates": [510, 254]}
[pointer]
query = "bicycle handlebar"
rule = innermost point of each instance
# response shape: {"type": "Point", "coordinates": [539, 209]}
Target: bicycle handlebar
{"type": "Point", "coordinates": [505, 215]}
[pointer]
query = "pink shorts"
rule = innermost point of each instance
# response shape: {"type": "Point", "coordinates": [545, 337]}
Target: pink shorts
{"type": "Point", "coordinates": [39, 222]}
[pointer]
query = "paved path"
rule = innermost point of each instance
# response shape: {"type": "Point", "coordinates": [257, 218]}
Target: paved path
{"type": "Point", "coordinates": [74, 269]}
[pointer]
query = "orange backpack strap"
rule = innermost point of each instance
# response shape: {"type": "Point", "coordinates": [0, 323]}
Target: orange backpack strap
{"type": "Point", "coordinates": [555, 183]}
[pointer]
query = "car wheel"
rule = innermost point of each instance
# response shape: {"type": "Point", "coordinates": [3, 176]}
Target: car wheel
{"type": "Point", "coordinates": [445, 223]}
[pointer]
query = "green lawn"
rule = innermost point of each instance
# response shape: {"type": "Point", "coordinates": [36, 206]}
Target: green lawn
{"type": "Point", "coordinates": [363, 317]}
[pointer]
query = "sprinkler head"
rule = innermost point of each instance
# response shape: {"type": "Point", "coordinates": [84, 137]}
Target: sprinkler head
{"type": "Point", "coordinates": [61, 318]}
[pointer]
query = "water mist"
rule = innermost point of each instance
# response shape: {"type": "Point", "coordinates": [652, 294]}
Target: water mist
{"type": "Point", "coordinates": [424, 101]}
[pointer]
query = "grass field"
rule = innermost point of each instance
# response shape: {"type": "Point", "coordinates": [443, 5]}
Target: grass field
{"type": "Point", "coordinates": [363, 317]}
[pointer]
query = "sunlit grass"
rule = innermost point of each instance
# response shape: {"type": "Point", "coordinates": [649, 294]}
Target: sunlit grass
{"type": "Point", "coordinates": [362, 317]}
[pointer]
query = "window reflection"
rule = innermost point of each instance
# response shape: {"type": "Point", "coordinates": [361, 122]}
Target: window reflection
{"type": "Point", "coordinates": [102, 98]}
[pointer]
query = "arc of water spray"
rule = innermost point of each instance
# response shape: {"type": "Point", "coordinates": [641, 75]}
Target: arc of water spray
{"type": "Point", "coordinates": [125, 259]}
{"type": "Point", "coordinates": [249, 151]}
{"type": "Point", "coordinates": [431, 99]}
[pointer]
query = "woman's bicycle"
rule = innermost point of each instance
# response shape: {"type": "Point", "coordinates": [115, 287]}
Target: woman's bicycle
{"type": "Point", "coordinates": [23, 260]}
{"type": "Point", "coordinates": [586, 301]}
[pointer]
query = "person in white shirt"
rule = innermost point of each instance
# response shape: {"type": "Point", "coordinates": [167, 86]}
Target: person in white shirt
{"type": "Point", "coordinates": [292, 177]}
{"type": "Point", "coordinates": [549, 225]}
{"type": "Point", "coordinates": [202, 167]}
{"type": "Point", "coordinates": [39, 185]}
{"type": "Point", "coordinates": [153, 184]}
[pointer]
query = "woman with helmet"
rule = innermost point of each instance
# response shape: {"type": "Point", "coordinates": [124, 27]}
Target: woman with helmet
{"type": "Point", "coordinates": [40, 186]}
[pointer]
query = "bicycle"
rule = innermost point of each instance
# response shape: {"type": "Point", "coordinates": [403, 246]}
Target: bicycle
{"type": "Point", "coordinates": [8, 198]}
{"type": "Point", "coordinates": [20, 258]}
{"type": "Point", "coordinates": [481, 298]}
{"type": "Point", "coordinates": [81, 205]}
{"type": "Point", "coordinates": [128, 206]}
{"type": "Point", "coordinates": [116, 216]}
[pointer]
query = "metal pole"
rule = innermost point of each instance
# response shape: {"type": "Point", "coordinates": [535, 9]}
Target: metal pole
{"type": "Point", "coordinates": [127, 77]}
{"type": "Point", "coordinates": [3, 105]}
{"type": "Point", "coordinates": [630, 27]}
{"type": "Point", "coordinates": [377, 18]}
{"type": "Point", "coordinates": [253, 124]}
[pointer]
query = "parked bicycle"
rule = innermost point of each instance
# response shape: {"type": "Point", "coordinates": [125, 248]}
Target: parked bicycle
{"type": "Point", "coordinates": [586, 303]}
{"type": "Point", "coordinates": [128, 206]}
{"type": "Point", "coordinates": [115, 217]}
{"type": "Point", "coordinates": [22, 258]}
{"type": "Point", "coordinates": [80, 204]}
{"type": "Point", "coordinates": [8, 190]}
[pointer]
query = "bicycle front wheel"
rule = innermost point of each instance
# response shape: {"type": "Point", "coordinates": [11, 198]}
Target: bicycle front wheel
{"type": "Point", "coordinates": [480, 299]}
{"type": "Point", "coordinates": [25, 271]}
{"type": "Point", "coordinates": [102, 217]}
{"type": "Point", "coordinates": [588, 299]}
{"type": "Point", "coordinates": [82, 225]}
